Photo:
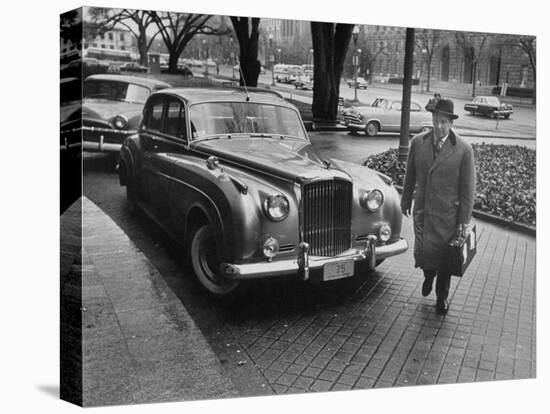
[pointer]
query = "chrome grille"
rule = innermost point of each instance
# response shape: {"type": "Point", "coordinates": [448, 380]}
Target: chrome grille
{"type": "Point", "coordinates": [352, 119]}
{"type": "Point", "coordinates": [326, 216]}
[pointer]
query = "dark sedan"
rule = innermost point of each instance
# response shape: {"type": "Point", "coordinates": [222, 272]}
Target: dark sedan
{"type": "Point", "coordinates": [133, 67]}
{"type": "Point", "coordinates": [489, 106]}
{"type": "Point", "coordinates": [233, 176]}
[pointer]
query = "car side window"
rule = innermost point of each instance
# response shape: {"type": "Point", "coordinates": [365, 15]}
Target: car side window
{"type": "Point", "coordinates": [415, 107]}
{"type": "Point", "coordinates": [174, 124]}
{"type": "Point", "coordinates": [396, 106]}
{"type": "Point", "coordinates": [154, 116]}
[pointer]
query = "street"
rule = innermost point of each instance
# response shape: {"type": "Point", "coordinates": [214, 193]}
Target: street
{"type": "Point", "coordinates": [522, 123]}
{"type": "Point", "coordinates": [375, 330]}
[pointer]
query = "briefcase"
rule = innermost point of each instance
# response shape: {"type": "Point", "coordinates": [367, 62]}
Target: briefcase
{"type": "Point", "coordinates": [461, 251]}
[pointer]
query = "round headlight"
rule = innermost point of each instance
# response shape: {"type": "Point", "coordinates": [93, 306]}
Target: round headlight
{"type": "Point", "coordinates": [276, 207]}
{"type": "Point", "coordinates": [384, 232]}
{"type": "Point", "coordinates": [120, 122]}
{"type": "Point", "coordinates": [271, 248]}
{"type": "Point", "coordinates": [372, 200]}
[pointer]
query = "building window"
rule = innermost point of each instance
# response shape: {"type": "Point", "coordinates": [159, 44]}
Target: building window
{"type": "Point", "coordinates": [94, 44]}
{"type": "Point", "coordinates": [110, 36]}
{"type": "Point", "coordinates": [111, 47]}
{"type": "Point", "coordinates": [103, 46]}
{"type": "Point", "coordinates": [122, 37]}
{"type": "Point", "coordinates": [102, 36]}
{"type": "Point", "coordinates": [122, 48]}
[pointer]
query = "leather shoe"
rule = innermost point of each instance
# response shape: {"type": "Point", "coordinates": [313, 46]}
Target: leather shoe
{"type": "Point", "coordinates": [442, 306]}
{"type": "Point", "coordinates": [427, 285]}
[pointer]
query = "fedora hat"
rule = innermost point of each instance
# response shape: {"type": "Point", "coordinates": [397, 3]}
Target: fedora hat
{"type": "Point", "coordinates": [445, 107]}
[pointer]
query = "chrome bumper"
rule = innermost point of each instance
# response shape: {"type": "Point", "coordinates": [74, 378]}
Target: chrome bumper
{"type": "Point", "coordinates": [305, 263]}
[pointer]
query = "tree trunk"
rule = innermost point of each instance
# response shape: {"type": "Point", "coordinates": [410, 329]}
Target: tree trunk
{"type": "Point", "coordinates": [173, 60]}
{"type": "Point", "coordinates": [248, 49]}
{"type": "Point", "coordinates": [142, 48]}
{"type": "Point", "coordinates": [330, 44]}
{"type": "Point", "coordinates": [429, 74]}
{"type": "Point", "coordinates": [406, 99]}
{"type": "Point", "coordinates": [474, 72]}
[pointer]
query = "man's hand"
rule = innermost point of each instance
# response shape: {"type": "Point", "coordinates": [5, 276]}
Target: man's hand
{"type": "Point", "coordinates": [462, 230]}
{"type": "Point", "coordinates": [406, 210]}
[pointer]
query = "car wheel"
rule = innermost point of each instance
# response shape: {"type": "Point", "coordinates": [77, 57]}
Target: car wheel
{"type": "Point", "coordinates": [372, 129]}
{"type": "Point", "coordinates": [205, 261]}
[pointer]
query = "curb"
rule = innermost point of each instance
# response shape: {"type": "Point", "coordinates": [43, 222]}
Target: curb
{"type": "Point", "coordinates": [139, 343]}
{"type": "Point", "coordinates": [499, 221]}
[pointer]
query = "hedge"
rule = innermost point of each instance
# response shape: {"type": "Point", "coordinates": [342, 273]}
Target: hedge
{"type": "Point", "coordinates": [506, 179]}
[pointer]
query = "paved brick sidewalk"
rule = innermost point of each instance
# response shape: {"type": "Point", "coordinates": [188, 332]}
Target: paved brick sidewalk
{"type": "Point", "coordinates": [386, 334]}
{"type": "Point", "coordinates": [139, 344]}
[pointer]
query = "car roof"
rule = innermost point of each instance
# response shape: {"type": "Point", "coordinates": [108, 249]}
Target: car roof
{"type": "Point", "coordinates": [227, 94]}
{"type": "Point", "coordinates": [394, 99]}
{"type": "Point", "coordinates": [149, 82]}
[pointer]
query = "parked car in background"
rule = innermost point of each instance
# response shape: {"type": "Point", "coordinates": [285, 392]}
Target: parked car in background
{"type": "Point", "coordinates": [384, 115]}
{"type": "Point", "coordinates": [133, 67]}
{"type": "Point", "coordinates": [361, 83]}
{"type": "Point", "coordinates": [489, 106]}
{"type": "Point", "coordinates": [111, 108]}
{"type": "Point", "coordinates": [232, 174]}
{"type": "Point", "coordinates": [304, 82]}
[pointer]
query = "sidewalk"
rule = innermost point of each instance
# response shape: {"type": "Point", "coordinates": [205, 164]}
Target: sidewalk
{"type": "Point", "coordinates": [139, 344]}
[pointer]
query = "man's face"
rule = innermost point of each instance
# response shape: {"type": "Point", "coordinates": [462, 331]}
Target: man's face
{"type": "Point", "coordinates": [442, 124]}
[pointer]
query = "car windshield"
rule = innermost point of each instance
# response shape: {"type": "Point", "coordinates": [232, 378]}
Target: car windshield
{"type": "Point", "coordinates": [380, 103]}
{"type": "Point", "coordinates": [491, 100]}
{"type": "Point", "coordinates": [222, 118]}
{"type": "Point", "coordinates": [115, 91]}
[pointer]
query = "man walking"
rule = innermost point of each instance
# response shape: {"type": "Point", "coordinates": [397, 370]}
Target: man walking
{"type": "Point", "coordinates": [441, 177]}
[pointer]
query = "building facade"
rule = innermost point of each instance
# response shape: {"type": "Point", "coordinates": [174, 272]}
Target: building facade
{"type": "Point", "coordinates": [457, 57]}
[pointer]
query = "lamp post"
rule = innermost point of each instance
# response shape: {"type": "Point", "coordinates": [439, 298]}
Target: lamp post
{"type": "Point", "coordinates": [272, 59]}
{"type": "Point", "coordinates": [206, 60]}
{"type": "Point", "coordinates": [424, 54]}
{"type": "Point", "coordinates": [355, 34]}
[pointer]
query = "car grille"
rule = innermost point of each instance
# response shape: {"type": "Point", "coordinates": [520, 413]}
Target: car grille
{"type": "Point", "coordinates": [352, 119]}
{"type": "Point", "coordinates": [326, 216]}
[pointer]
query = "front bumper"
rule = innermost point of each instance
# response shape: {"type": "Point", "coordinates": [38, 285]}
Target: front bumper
{"type": "Point", "coordinates": [104, 139]}
{"type": "Point", "coordinates": [304, 263]}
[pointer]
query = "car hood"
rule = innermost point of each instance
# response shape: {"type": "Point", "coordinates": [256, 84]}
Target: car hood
{"type": "Point", "coordinates": [107, 109]}
{"type": "Point", "coordinates": [290, 159]}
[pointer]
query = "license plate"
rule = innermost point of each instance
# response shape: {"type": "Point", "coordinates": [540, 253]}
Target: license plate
{"type": "Point", "coordinates": [338, 270]}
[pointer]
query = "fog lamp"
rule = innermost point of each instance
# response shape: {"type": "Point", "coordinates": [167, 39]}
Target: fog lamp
{"type": "Point", "coordinates": [271, 248]}
{"type": "Point", "coordinates": [384, 232]}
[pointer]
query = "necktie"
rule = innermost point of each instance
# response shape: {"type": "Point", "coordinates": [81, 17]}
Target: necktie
{"type": "Point", "coordinates": [438, 146]}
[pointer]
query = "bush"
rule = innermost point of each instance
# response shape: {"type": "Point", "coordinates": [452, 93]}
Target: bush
{"type": "Point", "coordinates": [506, 179]}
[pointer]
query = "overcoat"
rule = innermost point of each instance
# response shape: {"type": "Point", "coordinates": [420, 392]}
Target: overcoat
{"type": "Point", "coordinates": [443, 190]}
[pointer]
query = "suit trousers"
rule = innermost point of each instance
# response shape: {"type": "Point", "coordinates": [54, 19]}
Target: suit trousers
{"type": "Point", "coordinates": [442, 281]}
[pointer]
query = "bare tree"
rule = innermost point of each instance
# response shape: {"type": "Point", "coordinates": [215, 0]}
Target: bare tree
{"type": "Point", "coordinates": [177, 29]}
{"type": "Point", "coordinates": [473, 47]}
{"type": "Point", "coordinates": [247, 33]}
{"type": "Point", "coordinates": [137, 22]}
{"type": "Point", "coordinates": [330, 46]}
{"type": "Point", "coordinates": [528, 45]}
{"type": "Point", "coordinates": [428, 42]}
{"type": "Point", "coordinates": [368, 57]}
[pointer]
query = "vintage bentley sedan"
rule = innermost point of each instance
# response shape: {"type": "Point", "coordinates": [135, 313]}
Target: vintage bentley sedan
{"type": "Point", "coordinates": [111, 108]}
{"type": "Point", "coordinates": [232, 174]}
